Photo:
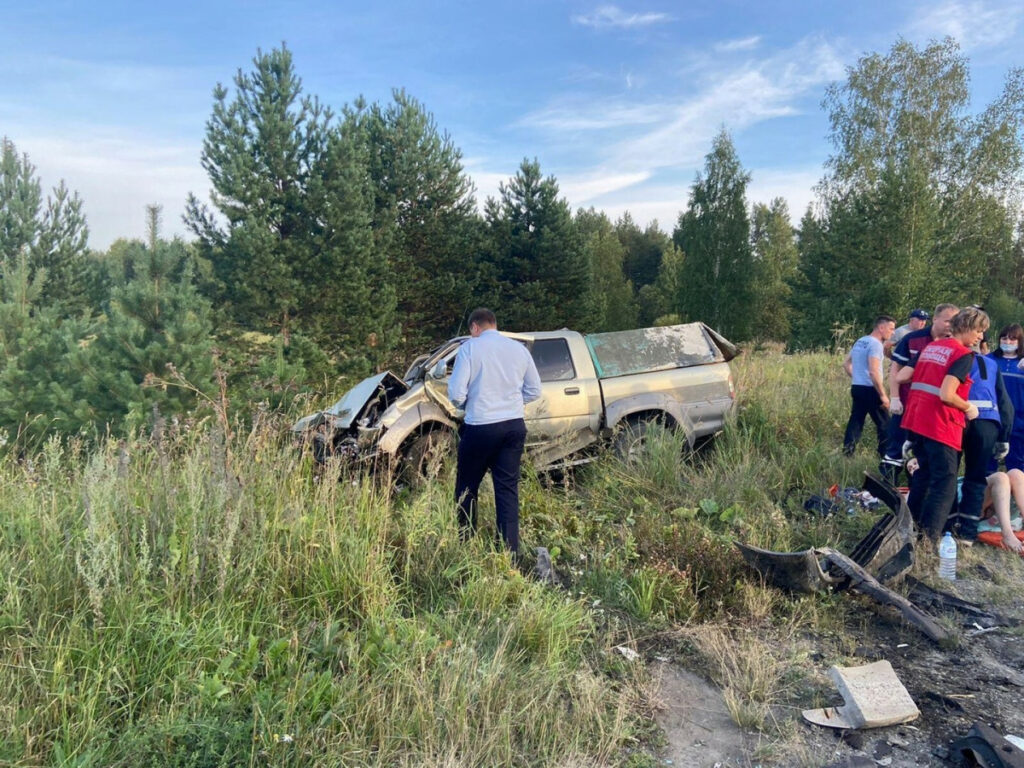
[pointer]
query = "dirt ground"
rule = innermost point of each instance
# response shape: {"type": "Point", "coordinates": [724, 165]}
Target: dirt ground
{"type": "Point", "coordinates": [981, 680]}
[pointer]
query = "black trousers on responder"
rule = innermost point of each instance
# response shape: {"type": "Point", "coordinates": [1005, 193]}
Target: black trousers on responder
{"type": "Point", "coordinates": [933, 486]}
{"type": "Point", "coordinates": [496, 447]}
{"type": "Point", "coordinates": [892, 462]}
{"type": "Point", "coordinates": [979, 440]}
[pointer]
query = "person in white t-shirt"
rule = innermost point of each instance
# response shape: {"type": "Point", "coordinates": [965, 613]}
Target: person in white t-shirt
{"type": "Point", "coordinates": [863, 364]}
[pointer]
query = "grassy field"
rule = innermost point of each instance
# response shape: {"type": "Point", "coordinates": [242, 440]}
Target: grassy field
{"type": "Point", "coordinates": [199, 599]}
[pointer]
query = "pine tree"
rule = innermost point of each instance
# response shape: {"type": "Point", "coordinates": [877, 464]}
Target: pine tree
{"type": "Point", "coordinates": [355, 303]}
{"type": "Point", "coordinates": [424, 218]}
{"type": "Point", "coordinates": [714, 233]}
{"type": "Point", "coordinates": [155, 347]}
{"type": "Point", "coordinates": [541, 272]}
{"type": "Point", "coordinates": [614, 304]}
{"type": "Point", "coordinates": [775, 264]}
{"type": "Point", "coordinates": [265, 152]}
{"type": "Point", "coordinates": [54, 235]}
{"type": "Point", "coordinates": [40, 386]}
{"type": "Point", "coordinates": [642, 250]}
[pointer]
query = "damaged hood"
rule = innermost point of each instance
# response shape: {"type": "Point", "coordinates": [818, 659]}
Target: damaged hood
{"type": "Point", "coordinates": [343, 414]}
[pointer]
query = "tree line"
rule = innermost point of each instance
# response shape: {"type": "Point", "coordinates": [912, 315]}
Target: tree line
{"type": "Point", "coordinates": [337, 244]}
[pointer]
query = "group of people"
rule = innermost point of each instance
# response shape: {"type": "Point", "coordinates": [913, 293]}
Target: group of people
{"type": "Point", "coordinates": [947, 397]}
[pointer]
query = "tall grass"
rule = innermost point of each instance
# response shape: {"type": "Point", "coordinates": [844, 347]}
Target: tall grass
{"type": "Point", "coordinates": [202, 599]}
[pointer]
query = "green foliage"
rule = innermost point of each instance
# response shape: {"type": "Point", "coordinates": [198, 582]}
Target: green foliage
{"type": "Point", "coordinates": [642, 249]}
{"type": "Point", "coordinates": [153, 350]}
{"type": "Point", "coordinates": [918, 207]}
{"type": "Point", "coordinates": [615, 307]}
{"type": "Point", "coordinates": [714, 233]}
{"type": "Point", "coordinates": [54, 235]}
{"type": "Point", "coordinates": [775, 264]}
{"type": "Point", "coordinates": [297, 250]}
{"type": "Point", "coordinates": [424, 218]}
{"type": "Point", "coordinates": [540, 272]}
{"type": "Point", "coordinates": [40, 377]}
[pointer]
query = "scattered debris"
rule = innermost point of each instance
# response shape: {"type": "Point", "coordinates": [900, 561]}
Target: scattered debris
{"type": "Point", "coordinates": [628, 653]}
{"type": "Point", "coordinates": [886, 552]}
{"type": "Point", "coordinates": [985, 746]}
{"type": "Point", "coordinates": [949, 702]}
{"type": "Point", "coordinates": [544, 570]}
{"type": "Point", "coordinates": [980, 631]}
{"type": "Point", "coordinates": [936, 599]}
{"type": "Point", "coordinates": [865, 583]}
{"type": "Point", "coordinates": [873, 696]}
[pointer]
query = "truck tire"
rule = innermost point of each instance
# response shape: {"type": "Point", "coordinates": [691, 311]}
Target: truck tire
{"type": "Point", "coordinates": [633, 434]}
{"type": "Point", "coordinates": [426, 456]}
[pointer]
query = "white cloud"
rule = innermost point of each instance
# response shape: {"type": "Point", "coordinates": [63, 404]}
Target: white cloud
{"type": "Point", "coordinates": [644, 152]}
{"type": "Point", "coordinates": [974, 24]}
{"type": "Point", "coordinates": [606, 16]}
{"type": "Point", "coordinates": [582, 117]}
{"type": "Point", "coordinates": [583, 188]}
{"type": "Point", "coordinates": [643, 138]}
{"type": "Point", "coordinates": [741, 44]}
{"type": "Point", "coordinates": [116, 176]}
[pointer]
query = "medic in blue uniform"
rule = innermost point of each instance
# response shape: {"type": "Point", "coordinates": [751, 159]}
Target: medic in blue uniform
{"type": "Point", "coordinates": [1008, 358]}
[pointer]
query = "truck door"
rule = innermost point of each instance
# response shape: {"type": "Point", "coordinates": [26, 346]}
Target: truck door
{"type": "Point", "coordinates": [560, 421]}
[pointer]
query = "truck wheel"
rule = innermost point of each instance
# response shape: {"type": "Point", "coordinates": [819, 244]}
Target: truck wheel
{"type": "Point", "coordinates": [632, 435]}
{"type": "Point", "coordinates": [629, 440]}
{"type": "Point", "coordinates": [426, 455]}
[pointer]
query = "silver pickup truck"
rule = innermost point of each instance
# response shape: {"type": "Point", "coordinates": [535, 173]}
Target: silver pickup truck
{"type": "Point", "coordinates": [594, 387]}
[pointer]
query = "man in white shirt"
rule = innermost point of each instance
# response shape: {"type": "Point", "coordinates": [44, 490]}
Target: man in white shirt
{"type": "Point", "coordinates": [864, 367]}
{"type": "Point", "coordinates": [493, 378]}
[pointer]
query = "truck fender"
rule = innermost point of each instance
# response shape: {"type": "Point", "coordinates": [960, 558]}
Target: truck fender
{"type": "Point", "coordinates": [653, 403]}
{"type": "Point", "coordinates": [411, 422]}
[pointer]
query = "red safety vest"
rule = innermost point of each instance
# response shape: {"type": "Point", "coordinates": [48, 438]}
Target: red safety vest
{"type": "Point", "coordinates": [925, 413]}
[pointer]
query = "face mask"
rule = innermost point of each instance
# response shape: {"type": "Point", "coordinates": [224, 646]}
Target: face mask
{"type": "Point", "coordinates": [1010, 349]}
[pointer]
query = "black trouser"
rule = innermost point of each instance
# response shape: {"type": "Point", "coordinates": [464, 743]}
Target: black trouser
{"type": "Point", "coordinates": [866, 402]}
{"type": "Point", "coordinates": [496, 447]}
{"type": "Point", "coordinates": [892, 461]}
{"type": "Point", "coordinates": [933, 486]}
{"type": "Point", "coordinates": [979, 440]}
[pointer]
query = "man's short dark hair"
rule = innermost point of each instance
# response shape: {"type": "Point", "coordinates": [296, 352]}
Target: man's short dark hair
{"type": "Point", "coordinates": [882, 319]}
{"type": "Point", "coordinates": [482, 316]}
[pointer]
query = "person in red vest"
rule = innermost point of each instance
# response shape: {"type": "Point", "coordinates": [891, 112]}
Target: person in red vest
{"type": "Point", "coordinates": [935, 415]}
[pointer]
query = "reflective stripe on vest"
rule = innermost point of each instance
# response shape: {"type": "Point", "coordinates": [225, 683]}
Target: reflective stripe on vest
{"type": "Point", "coordinates": [924, 413]}
{"type": "Point", "coordinates": [919, 386]}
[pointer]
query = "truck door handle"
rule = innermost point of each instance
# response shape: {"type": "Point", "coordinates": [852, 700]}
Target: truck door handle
{"type": "Point", "coordinates": [572, 390]}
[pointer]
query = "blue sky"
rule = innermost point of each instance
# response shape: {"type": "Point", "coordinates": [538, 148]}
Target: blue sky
{"type": "Point", "coordinates": [618, 101]}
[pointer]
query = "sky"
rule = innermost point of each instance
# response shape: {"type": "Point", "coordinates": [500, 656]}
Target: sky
{"type": "Point", "coordinates": [619, 101]}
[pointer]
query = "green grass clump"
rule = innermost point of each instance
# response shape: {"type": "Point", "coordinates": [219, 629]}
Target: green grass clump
{"type": "Point", "coordinates": [202, 598]}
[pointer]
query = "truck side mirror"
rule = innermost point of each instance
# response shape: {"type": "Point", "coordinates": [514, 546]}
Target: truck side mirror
{"type": "Point", "coordinates": [440, 370]}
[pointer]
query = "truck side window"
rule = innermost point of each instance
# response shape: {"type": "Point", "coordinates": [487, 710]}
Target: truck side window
{"type": "Point", "coordinates": [552, 358]}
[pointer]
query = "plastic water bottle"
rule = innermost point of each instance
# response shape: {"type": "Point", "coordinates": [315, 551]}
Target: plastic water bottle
{"type": "Point", "coordinates": [947, 558]}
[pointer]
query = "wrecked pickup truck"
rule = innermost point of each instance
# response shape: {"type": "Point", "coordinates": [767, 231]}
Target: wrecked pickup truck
{"type": "Point", "coordinates": [594, 387]}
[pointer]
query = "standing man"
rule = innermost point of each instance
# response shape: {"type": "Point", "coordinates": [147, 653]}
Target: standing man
{"type": "Point", "coordinates": [904, 358]}
{"type": "Point", "coordinates": [863, 365]}
{"type": "Point", "coordinates": [918, 320]}
{"type": "Point", "coordinates": [493, 378]}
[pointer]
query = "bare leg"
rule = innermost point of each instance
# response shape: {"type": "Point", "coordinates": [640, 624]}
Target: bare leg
{"type": "Point", "coordinates": [999, 488]}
